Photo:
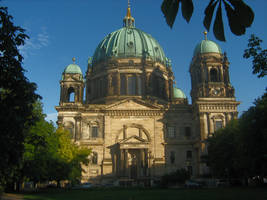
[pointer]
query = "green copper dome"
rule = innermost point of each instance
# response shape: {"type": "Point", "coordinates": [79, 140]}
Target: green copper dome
{"type": "Point", "coordinates": [129, 42]}
{"type": "Point", "coordinates": [72, 69]}
{"type": "Point", "coordinates": [207, 46]}
{"type": "Point", "coordinates": [178, 93]}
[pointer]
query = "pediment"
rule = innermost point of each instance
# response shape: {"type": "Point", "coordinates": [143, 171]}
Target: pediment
{"type": "Point", "coordinates": [132, 104]}
{"type": "Point", "coordinates": [133, 139]}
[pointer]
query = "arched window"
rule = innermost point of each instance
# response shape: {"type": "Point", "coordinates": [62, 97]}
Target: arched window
{"type": "Point", "coordinates": [214, 75]}
{"type": "Point", "coordinates": [71, 94]}
{"type": "Point", "coordinates": [123, 85]}
{"type": "Point", "coordinates": [94, 158]}
{"type": "Point", "coordinates": [131, 85]}
{"type": "Point", "coordinates": [218, 125]}
{"type": "Point", "coordinates": [155, 86]}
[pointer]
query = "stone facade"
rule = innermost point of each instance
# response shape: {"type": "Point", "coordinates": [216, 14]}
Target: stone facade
{"type": "Point", "coordinates": [136, 126]}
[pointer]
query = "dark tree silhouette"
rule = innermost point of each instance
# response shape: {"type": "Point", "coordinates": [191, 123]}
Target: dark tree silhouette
{"type": "Point", "coordinates": [258, 54]}
{"type": "Point", "coordinates": [240, 15]}
{"type": "Point", "coordinates": [17, 96]}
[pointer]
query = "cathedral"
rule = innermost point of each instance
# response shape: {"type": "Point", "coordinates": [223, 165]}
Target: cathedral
{"type": "Point", "coordinates": [128, 111]}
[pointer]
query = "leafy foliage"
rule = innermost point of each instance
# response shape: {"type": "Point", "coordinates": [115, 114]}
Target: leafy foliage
{"type": "Point", "coordinates": [258, 54]}
{"type": "Point", "coordinates": [51, 154]}
{"type": "Point", "coordinates": [34, 165]}
{"type": "Point", "coordinates": [239, 150]}
{"type": "Point", "coordinates": [17, 96]}
{"type": "Point", "coordinates": [240, 15]}
{"type": "Point", "coordinates": [179, 176]}
{"type": "Point", "coordinates": [222, 152]}
{"type": "Point", "coordinates": [67, 156]}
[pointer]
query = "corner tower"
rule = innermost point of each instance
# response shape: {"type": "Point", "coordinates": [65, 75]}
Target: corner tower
{"type": "Point", "coordinates": [213, 97]}
{"type": "Point", "coordinates": [71, 85]}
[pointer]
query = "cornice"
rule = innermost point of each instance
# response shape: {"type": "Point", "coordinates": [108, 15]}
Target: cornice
{"type": "Point", "coordinates": [217, 107]}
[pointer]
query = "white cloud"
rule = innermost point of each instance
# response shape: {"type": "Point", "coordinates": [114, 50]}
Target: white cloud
{"type": "Point", "coordinates": [35, 43]}
{"type": "Point", "coordinates": [51, 117]}
{"type": "Point", "coordinates": [43, 37]}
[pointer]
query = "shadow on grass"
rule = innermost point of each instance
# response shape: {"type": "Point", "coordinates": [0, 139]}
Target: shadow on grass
{"type": "Point", "coordinates": [151, 194]}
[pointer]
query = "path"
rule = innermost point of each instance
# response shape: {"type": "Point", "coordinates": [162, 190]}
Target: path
{"type": "Point", "coordinates": [8, 196]}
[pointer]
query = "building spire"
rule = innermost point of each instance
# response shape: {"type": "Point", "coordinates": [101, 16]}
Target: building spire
{"type": "Point", "coordinates": [205, 34]}
{"type": "Point", "coordinates": [128, 20]}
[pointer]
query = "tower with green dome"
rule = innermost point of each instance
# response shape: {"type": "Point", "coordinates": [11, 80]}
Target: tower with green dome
{"type": "Point", "coordinates": [213, 96]}
{"type": "Point", "coordinates": [137, 122]}
{"type": "Point", "coordinates": [71, 84]}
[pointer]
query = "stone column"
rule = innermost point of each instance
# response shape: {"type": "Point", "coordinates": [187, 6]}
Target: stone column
{"type": "Point", "coordinates": [110, 92]}
{"type": "Point", "coordinates": [127, 171]}
{"type": "Point", "coordinates": [118, 83]}
{"type": "Point", "coordinates": [208, 124]}
{"type": "Point", "coordinates": [77, 128]}
{"type": "Point", "coordinates": [221, 74]}
{"type": "Point", "coordinates": [119, 162]}
{"type": "Point", "coordinates": [229, 117]}
{"type": "Point", "coordinates": [146, 162]}
{"type": "Point", "coordinates": [208, 73]}
{"type": "Point", "coordinates": [124, 132]}
{"type": "Point", "coordinates": [203, 132]}
{"type": "Point", "coordinates": [212, 125]}
{"type": "Point", "coordinates": [81, 94]}
{"type": "Point", "coordinates": [147, 90]}
{"type": "Point", "coordinates": [122, 162]}
{"type": "Point", "coordinates": [171, 88]}
{"type": "Point", "coordinates": [142, 171]}
{"type": "Point", "coordinates": [115, 164]}
{"type": "Point", "coordinates": [167, 90]}
{"type": "Point", "coordinates": [202, 77]}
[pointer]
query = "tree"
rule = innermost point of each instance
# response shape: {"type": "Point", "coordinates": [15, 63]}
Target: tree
{"type": "Point", "coordinates": [177, 177]}
{"type": "Point", "coordinates": [51, 154]}
{"type": "Point", "coordinates": [66, 158]}
{"type": "Point", "coordinates": [239, 149]}
{"type": "Point", "coordinates": [17, 96]}
{"type": "Point", "coordinates": [35, 157]}
{"type": "Point", "coordinates": [253, 138]}
{"type": "Point", "coordinates": [222, 152]}
{"type": "Point", "coordinates": [258, 54]}
{"type": "Point", "coordinates": [240, 15]}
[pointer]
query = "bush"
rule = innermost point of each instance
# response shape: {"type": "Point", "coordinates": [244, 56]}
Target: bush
{"type": "Point", "coordinates": [1, 190]}
{"type": "Point", "coordinates": [177, 177]}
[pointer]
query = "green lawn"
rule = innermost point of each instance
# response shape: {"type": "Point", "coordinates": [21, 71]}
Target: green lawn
{"type": "Point", "coordinates": [153, 194]}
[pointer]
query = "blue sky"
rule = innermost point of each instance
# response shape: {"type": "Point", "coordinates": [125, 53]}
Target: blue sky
{"type": "Point", "coordinates": [62, 29]}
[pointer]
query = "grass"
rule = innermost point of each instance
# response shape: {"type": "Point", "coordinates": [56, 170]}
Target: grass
{"type": "Point", "coordinates": [153, 194]}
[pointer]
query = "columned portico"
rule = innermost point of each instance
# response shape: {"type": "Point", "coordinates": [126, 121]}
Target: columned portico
{"type": "Point", "coordinates": [132, 161]}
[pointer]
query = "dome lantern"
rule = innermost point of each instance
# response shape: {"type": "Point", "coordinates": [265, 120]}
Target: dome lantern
{"type": "Point", "coordinates": [128, 20]}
